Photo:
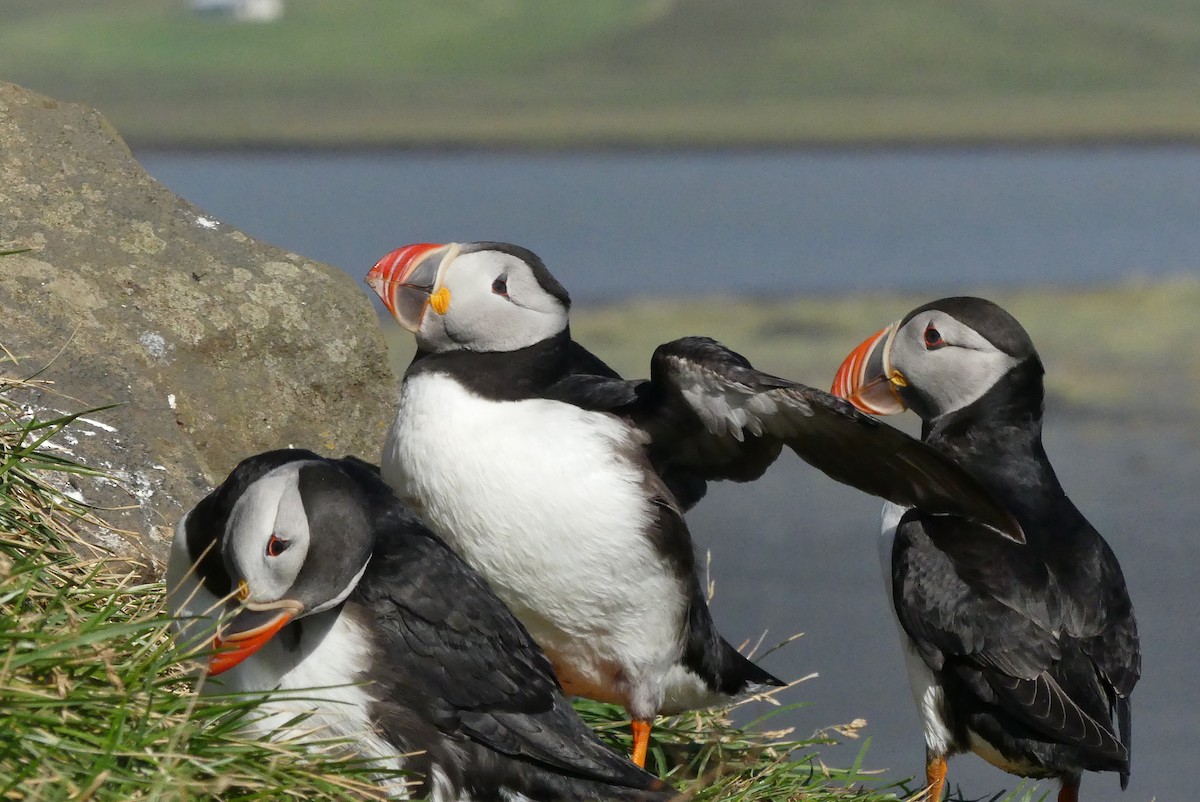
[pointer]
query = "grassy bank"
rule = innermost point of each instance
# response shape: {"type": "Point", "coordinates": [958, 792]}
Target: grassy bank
{"type": "Point", "coordinates": [619, 72]}
{"type": "Point", "coordinates": [97, 705]}
{"type": "Point", "coordinates": [95, 702]}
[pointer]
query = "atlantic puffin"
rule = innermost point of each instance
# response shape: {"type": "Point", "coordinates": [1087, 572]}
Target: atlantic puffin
{"type": "Point", "coordinates": [1021, 653]}
{"type": "Point", "coordinates": [565, 485]}
{"type": "Point", "coordinates": [334, 595]}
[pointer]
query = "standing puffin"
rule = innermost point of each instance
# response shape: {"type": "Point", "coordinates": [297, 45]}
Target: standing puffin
{"type": "Point", "coordinates": [565, 485]}
{"type": "Point", "coordinates": [1023, 654]}
{"type": "Point", "coordinates": [355, 613]}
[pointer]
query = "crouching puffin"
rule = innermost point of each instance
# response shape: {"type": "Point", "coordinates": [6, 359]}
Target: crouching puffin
{"type": "Point", "coordinates": [565, 485]}
{"type": "Point", "coordinates": [1023, 654]}
{"type": "Point", "coordinates": [358, 615]}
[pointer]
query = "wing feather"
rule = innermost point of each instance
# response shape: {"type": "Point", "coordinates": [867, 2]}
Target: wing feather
{"type": "Point", "coordinates": [716, 416]}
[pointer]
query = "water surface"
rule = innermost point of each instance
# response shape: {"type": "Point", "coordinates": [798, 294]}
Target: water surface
{"type": "Point", "coordinates": [611, 225]}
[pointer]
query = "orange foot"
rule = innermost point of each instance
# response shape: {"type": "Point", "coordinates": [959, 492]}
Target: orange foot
{"type": "Point", "coordinates": [641, 741]}
{"type": "Point", "coordinates": [935, 777]}
{"type": "Point", "coordinates": [1069, 792]}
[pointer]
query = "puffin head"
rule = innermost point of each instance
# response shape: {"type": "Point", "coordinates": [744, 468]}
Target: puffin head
{"type": "Point", "coordinates": [939, 358]}
{"type": "Point", "coordinates": [294, 542]}
{"type": "Point", "coordinates": [476, 296]}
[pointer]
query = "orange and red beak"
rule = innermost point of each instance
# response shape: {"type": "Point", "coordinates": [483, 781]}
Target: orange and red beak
{"type": "Point", "coordinates": [249, 631]}
{"type": "Point", "coordinates": [867, 379]}
{"type": "Point", "coordinates": [409, 280]}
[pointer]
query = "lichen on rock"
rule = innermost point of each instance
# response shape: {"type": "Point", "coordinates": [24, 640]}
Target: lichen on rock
{"type": "Point", "coordinates": [212, 346]}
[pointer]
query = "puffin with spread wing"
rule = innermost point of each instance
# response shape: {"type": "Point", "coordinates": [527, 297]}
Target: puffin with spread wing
{"type": "Point", "coordinates": [565, 485]}
{"type": "Point", "coordinates": [1023, 654]}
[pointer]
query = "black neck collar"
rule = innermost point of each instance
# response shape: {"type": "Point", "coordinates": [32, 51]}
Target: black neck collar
{"type": "Point", "coordinates": [1015, 402]}
{"type": "Point", "coordinates": [998, 438]}
{"type": "Point", "coordinates": [502, 375]}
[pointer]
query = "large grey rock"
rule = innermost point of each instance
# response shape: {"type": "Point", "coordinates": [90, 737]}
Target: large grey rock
{"type": "Point", "coordinates": [212, 345]}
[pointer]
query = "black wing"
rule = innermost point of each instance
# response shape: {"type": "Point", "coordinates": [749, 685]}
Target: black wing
{"type": "Point", "coordinates": [1099, 612]}
{"type": "Point", "coordinates": [713, 415]}
{"type": "Point", "coordinates": [460, 661]}
{"type": "Point", "coordinates": [722, 667]}
{"type": "Point", "coordinates": [988, 611]}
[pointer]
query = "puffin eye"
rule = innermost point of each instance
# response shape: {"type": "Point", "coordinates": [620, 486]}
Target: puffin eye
{"type": "Point", "coordinates": [277, 546]}
{"type": "Point", "coordinates": [933, 338]}
{"type": "Point", "coordinates": [500, 285]}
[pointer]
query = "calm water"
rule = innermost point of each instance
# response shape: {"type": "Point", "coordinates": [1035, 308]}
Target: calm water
{"type": "Point", "coordinates": [794, 552]}
{"type": "Point", "coordinates": [611, 225]}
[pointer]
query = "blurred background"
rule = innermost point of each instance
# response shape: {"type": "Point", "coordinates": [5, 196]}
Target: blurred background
{"type": "Point", "coordinates": [786, 175]}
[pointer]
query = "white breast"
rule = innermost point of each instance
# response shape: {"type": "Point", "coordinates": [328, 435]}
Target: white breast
{"type": "Point", "coordinates": [545, 500]}
{"type": "Point", "coordinates": [317, 681]}
{"type": "Point", "coordinates": [339, 708]}
{"type": "Point", "coordinates": [889, 519]}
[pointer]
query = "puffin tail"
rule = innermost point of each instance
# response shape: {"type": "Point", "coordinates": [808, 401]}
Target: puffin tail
{"type": "Point", "coordinates": [1125, 726]}
{"type": "Point", "coordinates": [722, 667]}
{"type": "Point", "coordinates": [750, 676]}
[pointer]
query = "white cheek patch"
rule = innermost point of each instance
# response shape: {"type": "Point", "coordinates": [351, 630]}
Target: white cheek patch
{"type": "Point", "coordinates": [179, 563]}
{"type": "Point", "coordinates": [956, 375]}
{"type": "Point", "coordinates": [432, 335]}
{"type": "Point", "coordinates": [271, 506]}
{"type": "Point", "coordinates": [479, 319]}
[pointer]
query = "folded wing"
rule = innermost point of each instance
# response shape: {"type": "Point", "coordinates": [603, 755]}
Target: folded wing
{"type": "Point", "coordinates": [989, 615]}
{"type": "Point", "coordinates": [455, 649]}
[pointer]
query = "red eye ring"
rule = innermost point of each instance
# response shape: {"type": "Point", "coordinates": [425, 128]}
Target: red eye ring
{"type": "Point", "coordinates": [277, 545]}
{"type": "Point", "coordinates": [933, 338]}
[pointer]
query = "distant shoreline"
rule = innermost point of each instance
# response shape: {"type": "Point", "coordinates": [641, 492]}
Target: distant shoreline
{"type": "Point", "coordinates": [915, 145]}
{"type": "Point", "coordinates": [804, 336]}
{"type": "Point", "coordinates": [537, 76]}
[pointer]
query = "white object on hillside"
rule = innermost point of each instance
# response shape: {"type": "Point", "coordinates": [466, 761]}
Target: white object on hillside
{"type": "Point", "coordinates": [240, 10]}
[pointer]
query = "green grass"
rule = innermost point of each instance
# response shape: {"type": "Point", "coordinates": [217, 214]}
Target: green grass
{"type": "Point", "coordinates": [625, 72]}
{"type": "Point", "coordinates": [708, 758]}
{"type": "Point", "coordinates": [97, 704]}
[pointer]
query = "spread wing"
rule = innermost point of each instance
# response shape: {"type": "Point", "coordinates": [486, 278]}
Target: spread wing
{"type": "Point", "coordinates": [459, 660]}
{"type": "Point", "coordinates": [985, 610]}
{"type": "Point", "coordinates": [711, 415]}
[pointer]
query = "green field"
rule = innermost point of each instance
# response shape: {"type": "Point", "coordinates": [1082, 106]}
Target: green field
{"type": "Point", "coordinates": [1097, 362]}
{"type": "Point", "coordinates": [619, 72]}
{"type": "Point", "coordinates": [1124, 351]}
